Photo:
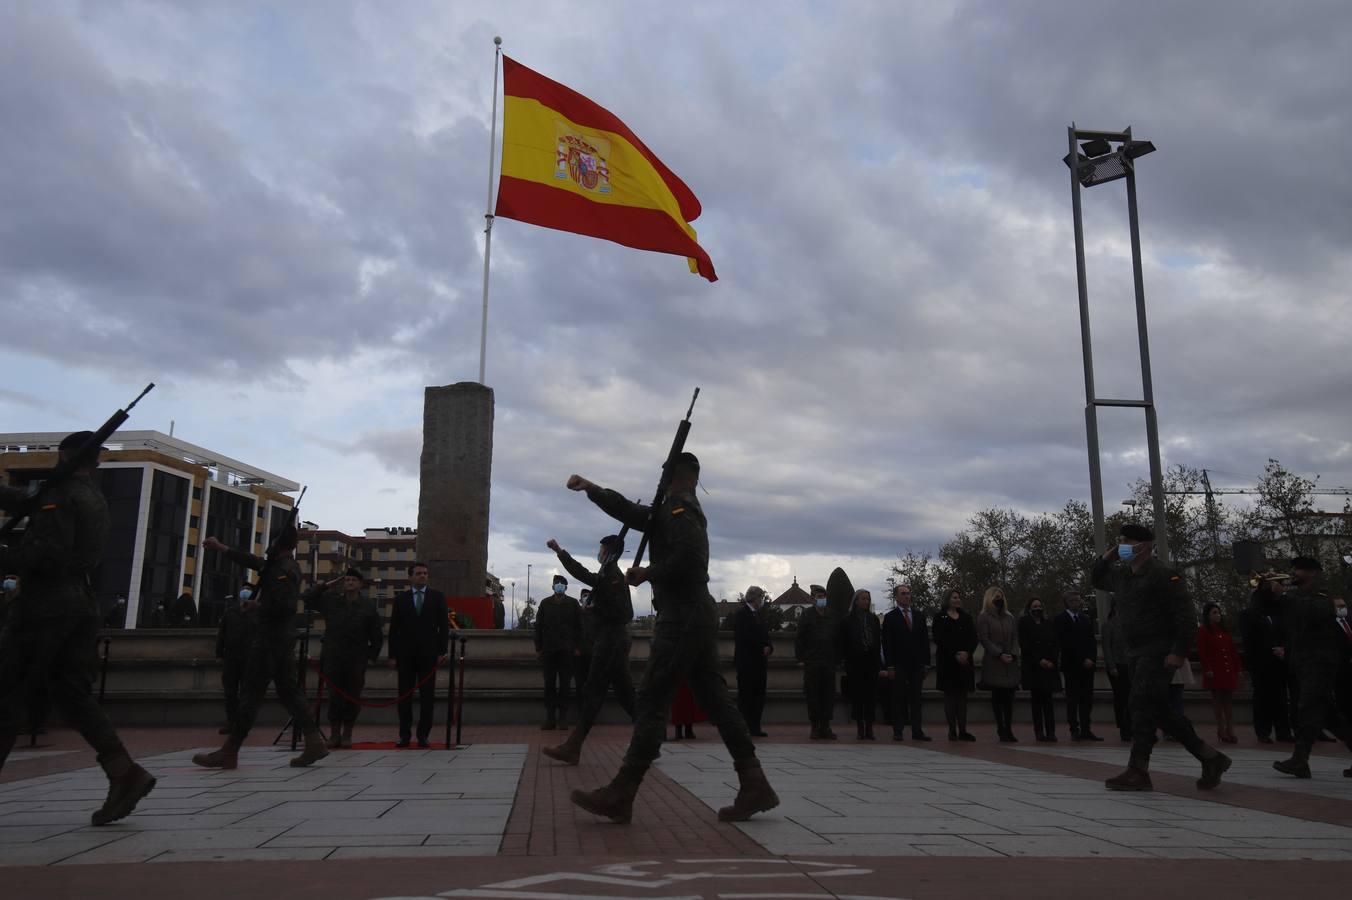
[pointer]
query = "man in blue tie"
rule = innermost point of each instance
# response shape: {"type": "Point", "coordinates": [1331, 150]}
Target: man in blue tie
{"type": "Point", "coordinates": [419, 636]}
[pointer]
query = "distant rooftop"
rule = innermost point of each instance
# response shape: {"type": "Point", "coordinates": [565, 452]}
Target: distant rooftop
{"type": "Point", "coordinates": [224, 469]}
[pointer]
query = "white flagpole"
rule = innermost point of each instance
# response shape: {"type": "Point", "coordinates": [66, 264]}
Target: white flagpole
{"type": "Point", "coordinates": [488, 207]}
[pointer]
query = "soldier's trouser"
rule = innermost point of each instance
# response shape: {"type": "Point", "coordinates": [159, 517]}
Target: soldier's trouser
{"type": "Point", "coordinates": [62, 651]}
{"type": "Point", "coordinates": [271, 658]}
{"type": "Point", "coordinates": [691, 654]}
{"type": "Point", "coordinates": [346, 671]}
{"type": "Point", "coordinates": [581, 672]}
{"type": "Point", "coordinates": [1317, 710]}
{"type": "Point", "coordinates": [751, 683]}
{"type": "Point", "coordinates": [232, 682]}
{"type": "Point", "coordinates": [1079, 698]}
{"type": "Point", "coordinates": [558, 670]}
{"type": "Point", "coordinates": [1271, 712]}
{"type": "Point", "coordinates": [1120, 679]}
{"type": "Point", "coordinates": [819, 687]}
{"type": "Point", "coordinates": [1150, 710]}
{"type": "Point", "coordinates": [609, 668]}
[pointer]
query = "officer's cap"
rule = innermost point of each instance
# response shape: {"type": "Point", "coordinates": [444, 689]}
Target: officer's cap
{"type": "Point", "coordinates": [356, 573]}
{"type": "Point", "coordinates": [1306, 564]}
{"type": "Point", "coordinates": [816, 589]}
{"type": "Point", "coordinates": [73, 442]}
{"type": "Point", "coordinates": [1133, 531]}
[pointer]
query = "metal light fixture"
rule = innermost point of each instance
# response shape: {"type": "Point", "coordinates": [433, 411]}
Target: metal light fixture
{"type": "Point", "coordinates": [1096, 147]}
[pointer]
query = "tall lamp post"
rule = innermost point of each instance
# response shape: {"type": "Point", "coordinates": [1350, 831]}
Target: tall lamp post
{"type": "Point", "coordinates": [514, 620]}
{"type": "Point", "coordinates": [1098, 157]}
{"type": "Point", "coordinates": [528, 565]}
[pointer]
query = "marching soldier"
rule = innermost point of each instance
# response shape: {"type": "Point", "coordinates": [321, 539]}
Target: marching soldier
{"type": "Point", "coordinates": [684, 646]}
{"type": "Point", "coordinates": [1159, 626]}
{"type": "Point", "coordinates": [353, 635]}
{"type": "Point", "coordinates": [52, 633]}
{"type": "Point", "coordinates": [1310, 616]}
{"type": "Point", "coordinates": [270, 657]}
{"type": "Point", "coordinates": [612, 609]}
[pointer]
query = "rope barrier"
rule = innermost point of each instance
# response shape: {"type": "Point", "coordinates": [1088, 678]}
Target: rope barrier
{"type": "Point", "coordinates": [372, 704]}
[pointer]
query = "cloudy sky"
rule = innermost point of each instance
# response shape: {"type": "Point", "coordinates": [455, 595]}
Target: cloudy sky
{"type": "Point", "coordinates": [274, 211]}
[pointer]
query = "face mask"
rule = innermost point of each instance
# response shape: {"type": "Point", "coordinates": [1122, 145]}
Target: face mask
{"type": "Point", "coordinates": [10, 584]}
{"type": "Point", "coordinates": [560, 588]}
{"type": "Point", "coordinates": [1126, 552]}
{"type": "Point", "coordinates": [1342, 612]}
{"type": "Point", "coordinates": [821, 602]}
{"type": "Point", "coordinates": [245, 593]}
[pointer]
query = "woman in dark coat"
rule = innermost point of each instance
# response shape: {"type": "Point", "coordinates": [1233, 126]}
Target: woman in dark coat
{"type": "Point", "coordinates": [954, 635]}
{"type": "Point", "coordinates": [1037, 640]}
{"type": "Point", "coordinates": [863, 662]}
{"type": "Point", "coordinates": [998, 631]}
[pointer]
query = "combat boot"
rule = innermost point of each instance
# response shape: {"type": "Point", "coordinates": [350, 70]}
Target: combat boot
{"type": "Point", "coordinates": [1299, 763]}
{"type": "Point", "coordinates": [570, 751]}
{"type": "Point", "coordinates": [1135, 778]}
{"type": "Point", "coordinates": [125, 790]}
{"type": "Point", "coordinates": [314, 750]}
{"type": "Point", "coordinates": [754, 793]}
{"type": "Point", "coordinates": [615, 801]}
{"type": "Point", "coordinates": [1212, 769]}
{"type": "Point", "coordinates": [225, 758]}
{"type": "Point", "coordinates": [347, 735]}
{"type": "Point", "coordinates": [335, 735]}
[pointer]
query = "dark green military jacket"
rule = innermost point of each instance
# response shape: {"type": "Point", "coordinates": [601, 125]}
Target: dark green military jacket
{"type": "Point", "coordinates": [820, 639]}
{"type": "Point", "coordinates": [679, 537]}
{"type": "Point", "coordinates": [60, 550]}
{"type": "Point", "coordinates": [352, 628]}
{"type": "Point", "coordinates": [611, 602]}
{"type": "Point", "coordinates": [278, 585]}
{"type": "Point", "coordinates": [237, 627]}
{"type": "Point", "coordinates": [1313, 641]}
{"type": "Point", "coordinates": [558, 624]}
{"type": "Point", "coordinates": [1153, 608]}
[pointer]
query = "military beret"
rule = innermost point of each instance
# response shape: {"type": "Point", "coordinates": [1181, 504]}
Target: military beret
{"type": "Point", "coordinates": [356, 573]}
{"type": "Point", "coordinates": [613, 541]}
{"type": "Point", "coordinates": [754, 593]}
{"type": "Point", "coordinates": [1307, 564]}
{"type": "Point", "coordinates": [559, 579]}
{"type": "Point", "coordinates": [815, 589]}
{"type": "Point", "coordinates": [688, 459]}
{"type": "Point", "coordinates": [79, 439]}
{"type": "Point", "coordinates": [1135, 532]}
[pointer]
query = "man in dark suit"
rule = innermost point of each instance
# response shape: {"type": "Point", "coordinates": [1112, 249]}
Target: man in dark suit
{"type": "Point", "coordinates": [751, 657]}
{"type": "Point", "coordinates": [1079, 657]}
{"type": "Point", "coordinates": [906, 653]}
{"type": "Point", "coordinates": [1343, 687]}
{"type": "Point", "coordinates": [419, 636]}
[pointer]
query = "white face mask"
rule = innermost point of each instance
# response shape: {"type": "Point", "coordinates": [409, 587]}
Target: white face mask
{"type": "Point", "coordinates": [245, 593]}
{"type": "Point", "coordinates": [1342, 612]}
{"type": "Point", "coordinates": [821, 602]}
{"type": "Point", "coordinates": [10, 584]}
{"type": "Point", "coordinates": [560, 588]}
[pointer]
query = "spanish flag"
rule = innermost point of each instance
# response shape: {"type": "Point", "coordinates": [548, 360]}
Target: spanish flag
{"type": "Point", "coordinates": [571, 165]}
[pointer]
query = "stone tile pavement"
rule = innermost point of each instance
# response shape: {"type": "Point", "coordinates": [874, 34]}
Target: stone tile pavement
{"type": "Point", "coordinates": [356, 804]}
{"type": "Point", "coordinates": [896, 800]}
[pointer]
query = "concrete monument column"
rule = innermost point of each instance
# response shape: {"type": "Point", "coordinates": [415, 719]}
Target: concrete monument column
{"type": "Point", "coordinates": [456, 469]}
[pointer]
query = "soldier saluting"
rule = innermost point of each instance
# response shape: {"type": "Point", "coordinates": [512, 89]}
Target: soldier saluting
{"type": "Point", "coordinates": [684, 646]}
{"type": "Point", "coordinates": [52, 633]}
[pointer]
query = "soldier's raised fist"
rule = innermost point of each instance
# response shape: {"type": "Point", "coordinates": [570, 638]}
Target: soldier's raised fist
{"type": "Point", "coordinates": [552, 545]}
{"type": "Point", "coordinates": [578, 483]}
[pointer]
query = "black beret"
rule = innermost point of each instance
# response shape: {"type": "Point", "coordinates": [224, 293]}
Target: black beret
{"type": "Point", "coordinates": [689, 460]}
{"type": "Point", "coordinates": [355, 573]}
{"type": "Point", "coordinates": [73, 442]}
{"type": "Point", "coordinates": [1135, 532]}
{"type": "Point", "coordinates": [559, 579]}
{"type": "Point", "coordinates": [1307, 564]}
{"type": "Point", "coordinates": [613, 540]}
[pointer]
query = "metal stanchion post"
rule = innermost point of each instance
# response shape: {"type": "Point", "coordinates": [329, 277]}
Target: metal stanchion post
{"type": "Point", "coordinates": [103, 676]}
{"type": "Point", "coordinates": [460, 699]}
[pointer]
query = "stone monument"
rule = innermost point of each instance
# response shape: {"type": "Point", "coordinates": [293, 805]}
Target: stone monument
{"type": "Point", "coordinates": [456, 469]}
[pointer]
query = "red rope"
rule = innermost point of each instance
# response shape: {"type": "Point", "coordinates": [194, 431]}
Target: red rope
{"type": "Point", "coordinates": [371, 704]}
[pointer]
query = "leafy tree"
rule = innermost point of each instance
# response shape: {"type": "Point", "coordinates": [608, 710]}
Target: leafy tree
{"type": "Point", "coordinates": [527, 620]}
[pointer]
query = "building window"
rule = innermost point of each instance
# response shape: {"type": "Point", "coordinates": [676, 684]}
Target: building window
{"type": "Point", "coordinates": [164, 539]}
{"type": "Point", "coordinates": [258, 537]}
{"type": "Point", "coordinates": [197, 493]}
{"type": "Point", "coordinates": [192, 551]}
{"type": "Point", "coordinates": [194, 521]}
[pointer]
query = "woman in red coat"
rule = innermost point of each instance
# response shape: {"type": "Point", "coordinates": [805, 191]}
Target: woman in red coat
{"type": "Point", "coordinates": [1220, 669]}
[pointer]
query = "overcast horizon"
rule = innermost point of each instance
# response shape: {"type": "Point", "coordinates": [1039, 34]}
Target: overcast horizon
{"type": "Point", "coordinates": [276, 215]}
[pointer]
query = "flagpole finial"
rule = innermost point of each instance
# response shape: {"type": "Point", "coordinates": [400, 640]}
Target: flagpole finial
{"type": "Point", "coordinates": [497, 41]}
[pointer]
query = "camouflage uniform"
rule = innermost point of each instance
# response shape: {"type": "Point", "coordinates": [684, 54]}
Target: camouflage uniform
{"type": "Point", "coordinates": [1314, 655]}
{"type": "Point", "coordinates": [353, 635]}
{"type": "Point", "coordinates": [612, 609]}
{"type": "Point", "coordinates": [271, 655]}
{"type": "Point", "coordinates": [818, 645]}
{"type": "Point", "coordinates": [685, 637]}
{"type": "Point", "coordinates": [1156, 618]}
{"type": "Point", "coordinates": [52, 633]}
{"type": "Point", "coordinates": [233, 636]}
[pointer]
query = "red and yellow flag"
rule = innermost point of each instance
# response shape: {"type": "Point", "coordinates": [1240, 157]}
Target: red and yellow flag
{"type": "Point", "coordinates": [571, 165]}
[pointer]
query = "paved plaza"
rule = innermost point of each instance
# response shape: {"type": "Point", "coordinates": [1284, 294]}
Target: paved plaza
{"type": "Point", "coordinates": [492, 819]}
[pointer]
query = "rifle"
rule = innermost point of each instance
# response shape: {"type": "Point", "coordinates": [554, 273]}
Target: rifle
{"type": "Point", "coordinates": [64, 469]}
{"type": "Point", "coordinates": [663, 484]}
